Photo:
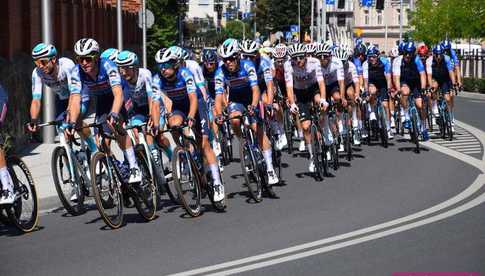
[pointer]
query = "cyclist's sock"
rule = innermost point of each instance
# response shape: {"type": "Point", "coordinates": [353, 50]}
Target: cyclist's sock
{"type": "Point", "coordinates": [268, 159]}
{"type": "Point", "coordinates": [6, 180]}
{"type": "Point", "coordinates": [354, 117]}
{"type": "Point", "coordinates": [151, 147]}
{"type": "Point", "coordinates": [130, 155]}
{"type": "Point", "coordinates": [215, 174]}
{"type": "Point", "coordinates": [309, 147]}
{"type": "Point", "coordinates": [435, 107]}
{"type": "Point", "coordinates": [300, 133]}
{"type": "Point", "coordinates": [91, 144]}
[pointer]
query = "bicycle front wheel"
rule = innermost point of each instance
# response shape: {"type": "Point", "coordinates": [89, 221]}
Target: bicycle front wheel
{"type": "Point", "coordinates": [68, 189]}
{"type": "Point", "coordinates": [250, 171]}
{"type": "Point", "coordinates": [145, 193]}
{"type": "Point", "coordinates": [415, 131]}
{"type": "Point", "coordinates": [24, 213]}
{"type": "Point", "coordinates": [106, 187]}
{"type": "Point", "coordinates": [187, 181]}
{"type": "Point", "coordinates": [317, 155]}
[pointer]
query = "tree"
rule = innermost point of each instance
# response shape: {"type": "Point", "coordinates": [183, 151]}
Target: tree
{"type": "Point", "coordinates": [234, 29]}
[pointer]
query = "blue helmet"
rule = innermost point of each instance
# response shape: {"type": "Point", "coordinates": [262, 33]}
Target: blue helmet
{"type": "Point", "coordinates": [110, 53]}
{"type": "Point", "coordinates": [126, 58]}
{"type": "Point", "coordinates": [43, 50]}
{"type": "Point", "coordinates": [438, 49]}
{"type": "Point", "coordinates": [209, 55]}
{"type": "Point", "coordinates": [446, 44]}
{"type": "Point", "coordinates": [401, 47]}
{"type": "Point", "coordinates": [360, 49]}
{"type": "Point", "coordinates": [409, 47]}
{"type": "Point", "coordinates": [373, 51]}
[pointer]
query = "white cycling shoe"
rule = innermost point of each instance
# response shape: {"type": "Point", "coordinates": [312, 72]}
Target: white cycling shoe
{"type": "Point", "coordinates": [7, 197]}
{"type": "Point", "coordinates": [301, 147]}
{"type": "Point", "coordinates": [311, 167]}
{"type": "Point", "coordinates": [135, 175]}
{"type": "Point", "coordinates": [218, 192]}
{"type": "Point", "coordinates": [272, 178]}
{"type": "Point", "coordinates": [282, 142]}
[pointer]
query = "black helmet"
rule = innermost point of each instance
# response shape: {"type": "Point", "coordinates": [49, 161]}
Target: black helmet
{"type": "Point", "coordinates": [209, 55]}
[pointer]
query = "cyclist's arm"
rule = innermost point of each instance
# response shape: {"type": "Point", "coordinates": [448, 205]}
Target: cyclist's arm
{"type": "Point", "coordinates": [118, 99]}
{"type": "Point", "coordinates": [396, 72]}
{"type": "Point", "coordinates": [341, 80]}
{"type": "Point", "coordinates": [155, 112]}
{"type": "Point", "coordinates": [321, 81]}
{"type": "Point", "coordinates": [36, 95]}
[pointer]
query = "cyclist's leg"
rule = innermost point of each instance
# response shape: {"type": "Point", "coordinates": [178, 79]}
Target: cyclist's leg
{"type": "Point", "coordinates": [434, 87]}
{"type": "Point", "coordinates": [384, 98]}
{"type": "Point", "coordinates": [405, 91]}
{"type": "Point", "coordinates": [373, 94]}
{"type": "Point", "coordinates": [234, 110]}
{"type": "Point", "coordinates": [6, 185]}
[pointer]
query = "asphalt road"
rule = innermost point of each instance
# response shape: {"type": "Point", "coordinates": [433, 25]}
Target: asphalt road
{"type": "Point", "coordinates": [379, 186]}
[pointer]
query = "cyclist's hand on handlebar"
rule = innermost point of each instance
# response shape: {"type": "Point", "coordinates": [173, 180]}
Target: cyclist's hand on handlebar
{"type": "Point", "coordinates": [33, 125]}
{"type": "Point", "coordinates": [68, 128]}
{"type": "Point", "coordinates": [190, 121]}
{"type": "Point", "coordinates": [219, 119]}
{"type": "Point", "coordinates": [324, 104]}
{"type": "Point", "coordinates": [251, 109]}
{"type": "Point", "coordinates": [344, 102]}
{"type": "Point", "coordinates": [294, 108]}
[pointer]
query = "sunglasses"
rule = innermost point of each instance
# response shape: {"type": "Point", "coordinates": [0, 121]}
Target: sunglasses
{"type": "Point", "coordinates": [167, 65]}
{"type": "Point", "coordinates": [298, 58]}
{"type": "Point", "coordinates": [210, 63]}
{"type": "Point", "coordinates": [324, 56]}
{"type": "Point", "coordinates": [42, 61]}
{"type": "Point", "coordinates": [229, 59]}
{"type": "Point", "coordinates": [280, 61]}
{"type": "Point", "coordinates": [88, 59]}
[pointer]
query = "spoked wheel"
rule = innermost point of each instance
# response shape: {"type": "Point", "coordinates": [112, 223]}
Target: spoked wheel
{"type": "Point", "coordinates": [325, 161]}
{"type": "Point", "coordinates": [186, 181]}
{"type": "Point", "coordinates": [145, 193]}
{"type": "Point", "coordinates": [24, 212]}
{"type": "Point", "coordinates": [288, 125]}
{"type": "Point", "coordinates": [68, 188]}
{"type": "Point", "coordinates": [348, 146]}
{"type": "Point", "coordinates": [317, 154]}
{"type": "Point", "coordinates": [106, 186]}
{"type": "Point", "coordinates": [429, 118]}
{"type": "Point", "coordinates": [415, 131]}
{"type": "Point", "coordinates": [227, 136]}
{"type": "Point", "coordinates": [335, 157]}
{"type": "Point", "coordinates": [250, 170]}
{"type": "Point", "coordinates": [383, 130]}
{"type": "Point", "coordinates": [448, 125]}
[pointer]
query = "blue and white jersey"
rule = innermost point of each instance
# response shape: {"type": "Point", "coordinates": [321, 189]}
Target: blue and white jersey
{"type": "Point", "coordinates": [447, 61]}
{"type": "Point", "coordinates": [398, 63]}
{"type": "Point", "coordinates": [358, 66]}
{"type": "Point", "coordinates": [198, 75]}
{"type": "Point", "coordinates": [454, 57]}
{"type": "Point", "coordinates": [177, 91]}
{"type": "Point", "coordinates": [140, 92]}
{"type": "Point", "coordinates": [263, 70]}
{"type": "Point", "coordinates": [108, 77]}
{"type": "Point", "coordinates": [239, 83]}
{"type": "Point", "coordinates": [383, 61]}
{"type": "Point", "coordinates": [59, 83]}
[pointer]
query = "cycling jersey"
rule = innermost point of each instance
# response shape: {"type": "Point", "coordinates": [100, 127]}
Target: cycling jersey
{"type": "Point", "coordinates": [238, 83]}
{"type": "Point", "coordinates": [177, 91]}
{"type": "Point", "coordinates": [210, 78]}
{"type": "Point", "coordinates": [350, 73]}
{"type": "Point", "coordinates": [453, 56]}
{"type": "Point", "coordinates": [196, 71]}
{"type": "Point", "coordinates": [263, 70]}
{"type": "Point", "coordinates": [136, 95]}
{"type": "Point", "coordinates": [58, 83]}
{"type": "Point", "coordinates": [440, 72]}
{"type": "Point", "coordinates": [107, 78]}
{"type": "Point", "coordinates": [333, 72]}
{"type": "Point", "coordinates": [376, 74]}
{"type": "Point", "coordinates": [303, 78]}
{"type": "Point", "coordinates": [409, 72]}
{"type": "Point", "coordinates": [358, 66]}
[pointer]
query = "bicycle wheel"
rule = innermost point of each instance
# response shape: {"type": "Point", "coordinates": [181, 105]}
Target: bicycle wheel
{"type": "Point", "coordinates": [415, 131]}
{"type": "Point", "coordinates": [335, 156]}
{"type": "Point", "coordinates": [250, 171]}
{"type": "Point", "coordinates": [145, 195]}
{"type": "Point", "coordinates": [317, 155]}
{"type": "Point", "coordinates": [383, 128]}
{"type": "Point", "coordinates": [67, 184]}
{"type": "Point", "coordinates": [348, 138]}
{"type": "Point", "coordinates": [228, 138]}
{"type": "Point", "coordinates": [429, 117]}
{"type": "Point", "coordinates": [24, 212]}
{"type": "Point", "coordinates": [448, 125]}
{"type": "Point", "coordinates": [288, 126]}
{"type": "Point", "coordinates": [106, 186]}
{"type": "Point", "coordinates": [186, 181]}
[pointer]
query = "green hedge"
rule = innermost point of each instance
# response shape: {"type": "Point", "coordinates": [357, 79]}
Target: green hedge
{"type": "Point", "coordinates": [474, 85]}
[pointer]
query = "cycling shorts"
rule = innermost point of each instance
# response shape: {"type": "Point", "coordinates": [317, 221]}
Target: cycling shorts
{"type": "Point", "coordinates": [237, 107]}
{"type": "Point", "coordinates": [306, 95]}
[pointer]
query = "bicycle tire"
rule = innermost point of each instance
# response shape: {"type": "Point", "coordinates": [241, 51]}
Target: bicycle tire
{"type": "Point", "coordinates": [429, 118]}
{"type": "Point", "coordinates": [28, 193]}
{"type": "Point", "coordinates": [110, 197]}
{"type": "Point", "coordinates": [288, 126]}
{"type": "Point", "coordinates": [144, 193]}
{"type": "Point", "coordinates": [449, 125]}
{"type": "Point", "coordinates": [335, 156]}
{"type": "Point", "coordinates": [383, 128]}
{"type": "Point", "coordinates": [348, 138]}
{"type": "Point", "coordinates": [415, 131]}
{"type": "Point", "coordinates": [252, 174]}
{"type": "Point", "coordinates": [317, 156]}
{"type": "Point", "coordinates": [58, 156]}
{"type": "Point", "coordinates": [182, 155]}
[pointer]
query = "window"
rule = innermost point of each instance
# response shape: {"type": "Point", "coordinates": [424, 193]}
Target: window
{"type": "Point", "coordinates": [341, 20]}
{"type": "Point", "coordinates": [379, 17]}
{"type": "Point", "coordinates": [398, 14]}
{"type": "Point", "coordinates": [203, 2]}
{"type": "Point", "coordinates": [366, 17]}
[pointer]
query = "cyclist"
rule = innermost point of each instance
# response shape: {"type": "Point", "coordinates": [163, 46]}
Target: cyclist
{"type": "Point", "coordinates": [100, 78]}
{"type": "Point", "coordinates": [456, 63]}
{"type": "Point", "coordinates": [333, 73]}
{"type": "Point", "coordinates": [352, 87]}
{"type": "Point", "coordinates": [7, 195]}
{"type": "Point", "coordinates": [394, 53]}
{"type": "Point", "coordinates": [240, 79]}
{"type": "Point", "coordinates": [177, 83]}
{"type": "Point", "coordinates": [110, 53]}
{"type": "Point", "coordinates": [55, 73]}
{"type": "Point", "coordinates": [441, 75]}
{"type": "Point", "coordinates": [377, 82]}
{"type": "Point", "coordinates": [280, 55]}
{"type": "Point", "coordinates": [305, 85]}
{"type": "Point", "coordinates": [359, 58]}
{"type": "Point", "coordinates": [409, 75]}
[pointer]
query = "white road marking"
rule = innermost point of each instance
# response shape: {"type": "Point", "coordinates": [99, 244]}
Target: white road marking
{"type": "Point", "coordinates": [471, 151]}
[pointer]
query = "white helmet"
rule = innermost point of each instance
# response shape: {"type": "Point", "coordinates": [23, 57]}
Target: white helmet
{"type": "Point", "coordinates": [86, 46]}
{"type": "Point", "coordinates": [341, 53]}
{"type": "Point", "coordinates": [280, 51]}
{"type": "Point", "coordinates": [296, 50]}
{"type": "Point", "coordinates": [311, 48]}
{"type": "Point", "coordinates": [249, 47]}
{"type": "Point", "coordinates": [266, 44]}
{"type": "Point", "coordinates": [229, 48]}
{"type": "Point", "coordinates": [325, 48]}
{"type": "Point", "coordinates": [394, 52]}
{"type": "Point", "coordinates": [166, 55]}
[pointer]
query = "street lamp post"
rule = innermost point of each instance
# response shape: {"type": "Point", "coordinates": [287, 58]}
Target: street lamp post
{"type": "Point", "coordinates": [119, 23]}
{"type": "Point", "coordinates": [400, 21]}
{"type": "Point", "coordinates": [299, 21]}
{"type": "Point", "coordinates": [48, 133]}
{"type": "Point", "coordinates": [144, 24]}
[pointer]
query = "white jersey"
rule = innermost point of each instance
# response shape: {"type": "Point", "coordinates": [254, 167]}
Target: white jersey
{"type": "Point", "coordinates": [139, 92]}
{"type": "Point", "coordinates": [196, 70]}
{"type": "Point", "coordinates": [303, 78]}
{"type": "Point", "coordinates": [58, 83]}
{"type": "Point", "coordinates": [333, 72]}
{"type": "Point", "coordinates": [350, 73]}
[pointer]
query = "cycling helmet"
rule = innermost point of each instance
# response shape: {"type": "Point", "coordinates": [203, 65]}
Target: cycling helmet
{"type": "Point", "coordinates": [169, 54]}
{"type": "Point", "coordinates": [438, 49]}
{"type": "Point", "coordinates": [86, 46]}
{"type": "Point", "coordinates": [110, 53]}
{"type": "Point", "coordinates": [229, 48]}
{"type": "Point", "coordinates": [126, 58]}
{"type": "Point", "coordinates": [43, 50]}
{"type": "Point", "coordinates": [360, 49]}
{"type": "Point", "coordinates": [297, 50]}
{"type": "Point", "coordinates": [423, 50]}
{"type": "Point", "coordinates": [446, 44]}
{"type": "Point", "coordinates": [209, 55]}
{"type": "Point", "coordinates": [185, 54]}
{"type": "Point", "coordinates": [341, 53]}
{"type": "Point", "coordinates": [394, 52]}
{"type": "Point", "coordinates": [409, 47]}
{"type": "Point", "coordinates": [311, 48]}
{"type": "Point", "coordinates": [280, 51]}
{"type": "Point", "coordinates": [401, 47]}
{"type": "Point", "coordinates": [267, 44]}
{"type": "Point", "coordinates": [373, 51]}
{"type": "Point", "coordinates": [249, 47]}
{"type": "Point", "coordinates": [325, 48]}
